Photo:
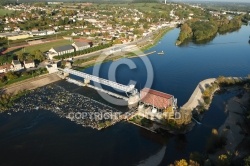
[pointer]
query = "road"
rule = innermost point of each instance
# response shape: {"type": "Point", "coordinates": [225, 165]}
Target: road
{"type": "Point", "coordinates": [96, 53]}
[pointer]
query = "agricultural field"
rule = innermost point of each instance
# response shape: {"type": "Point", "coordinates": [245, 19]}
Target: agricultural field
{"type": "Point", "coordinates": [4, 12]}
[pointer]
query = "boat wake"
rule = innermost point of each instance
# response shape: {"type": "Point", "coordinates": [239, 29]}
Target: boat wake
{"type": "Point", "coordinates": [154, 159]}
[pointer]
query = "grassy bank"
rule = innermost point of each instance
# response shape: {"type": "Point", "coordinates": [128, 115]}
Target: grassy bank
{"type": "Point", "coordinates": [157, 37]}
{"type": "Point", "coordinates": [12, 78]}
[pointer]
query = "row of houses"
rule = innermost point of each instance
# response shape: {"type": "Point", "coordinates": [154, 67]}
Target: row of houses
{"type": "Point", "coordinates": [25, 34]}
{"type": "Point", "coordinates": [76, 46]}
{"type": "Point", "coordinates": [16, 66]}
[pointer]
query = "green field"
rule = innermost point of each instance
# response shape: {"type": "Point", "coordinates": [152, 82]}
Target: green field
{"type": "Point", "coordinates": [4, 12]}
{"type": "Point", "coordinates": [44, 47]}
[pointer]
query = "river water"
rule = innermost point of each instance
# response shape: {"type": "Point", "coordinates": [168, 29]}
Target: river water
{"type": "Point", "coordinates": [41, 137]}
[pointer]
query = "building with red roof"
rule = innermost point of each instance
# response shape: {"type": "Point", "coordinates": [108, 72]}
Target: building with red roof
{"type": "Point", "coordinates": [157, 99]}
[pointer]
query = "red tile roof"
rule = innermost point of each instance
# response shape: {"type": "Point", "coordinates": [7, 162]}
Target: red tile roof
{"type": "Point", "coordinates": [158, 99]}
{"type": "Point", "coordinates": [6, 66]}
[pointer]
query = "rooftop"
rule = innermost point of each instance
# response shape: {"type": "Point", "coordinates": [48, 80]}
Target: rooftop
{"type": "Point", "coordinates": [16, 62]}
{"type": "Point", "coordinates": [6, 66]}
{"type": "Point", "coordinates": [81, 44]}
{"type": "Point", "coordinates": [28, 61]}
{"type": "Point", "coordinates": [156, 98]}
{"type": "Point", "coordinates": [63, 48]}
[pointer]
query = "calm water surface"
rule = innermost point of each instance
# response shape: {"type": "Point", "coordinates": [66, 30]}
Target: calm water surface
{"type": "Point", "coordinates": [42, 138]}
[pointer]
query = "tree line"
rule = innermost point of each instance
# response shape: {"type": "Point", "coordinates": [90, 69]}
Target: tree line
{"type": "Point", "coordinates": [197, 30]}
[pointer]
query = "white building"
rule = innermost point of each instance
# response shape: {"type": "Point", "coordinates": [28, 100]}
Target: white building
{"type": "Point", "coordinates": [29, 64]}
{"type": "Point", "coordinates": [16, 65]}
{"type": "Point", "coordinates": [60, 51]}
{"type": "Point", "coordinates": [81, 45]}
{"type": "Point", "coordinates": [52, 68]}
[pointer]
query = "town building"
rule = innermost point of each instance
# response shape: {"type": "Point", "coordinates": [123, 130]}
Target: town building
{"type": "Point", "coordinates": [16, 65]}
{"type": "Point", "coordinates": [52, 68]}
{"type": "Point", "coordinates": [159, 100]}
{"type": "Point", "coordinates": [81, 45]}
{"type": "Point", "coordinates": [15, 35]}
{"type": "Point", "coordinates": [156, 105]}
{"type": "Point", "coordinates": [29, 64]}
{"type": "Point", "coordinates": [6, 68]}
{"type": "Point", "coordinates": [60, 51]}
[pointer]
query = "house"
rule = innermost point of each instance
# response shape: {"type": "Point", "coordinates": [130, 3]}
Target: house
{"type": "Point", "coordinates": [68, 64]}
{"type": "Point", "coordinates": [74, 34]}
{"type": "Point", "coordinates": [6, 68]}
{"type": "Point", "coordinates": [81, 45]}
{"type": "Point", "coordinates": [52, 68]}
{"type": "Point", "coordinates": [60, 51]}
{"type": "Point", "coordinates": [39, 33]}
{"type": "Point", "coordinates": [7, 28]}
{"type": "Point", "coordinates": [51, 32]}
{"type": "Point", "coordinates": [16, 65]}
{"type": "Point", "coordinates": [29, 64]}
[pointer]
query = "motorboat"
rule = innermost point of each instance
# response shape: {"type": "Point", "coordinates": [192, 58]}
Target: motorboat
{"type": "Point", "coordinates": [160, 53]}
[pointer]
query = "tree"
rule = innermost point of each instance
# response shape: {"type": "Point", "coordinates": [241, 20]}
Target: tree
{"type": "Point", "coordinates": [3, 79]}
{"type": "Point", "coordinates": [223, 160]}
{"type": "Point", "coordinates": [181, 162]}
{"type": "Point", "coordinates": [247, 161]}
{"type": "Point", "coordinates": [38, 55]}
{"type": "Point", "coordinates": [185, 33]}
{"type": "Point", "coordinates": [20, 56]}
{"type": "Point", "coordinates": [11, 75]}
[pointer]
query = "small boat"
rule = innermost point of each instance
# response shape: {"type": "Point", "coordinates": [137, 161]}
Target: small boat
{"type": "Point", "coordinates": [9, 113]}
{"type": "Point", "coordinates": [160, 53]}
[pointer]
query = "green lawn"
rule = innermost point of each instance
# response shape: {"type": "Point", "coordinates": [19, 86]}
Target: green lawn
{"type": "Point", "coordinates": [45, 47]}
{"type": "Point", "coordinates": [4, 11]}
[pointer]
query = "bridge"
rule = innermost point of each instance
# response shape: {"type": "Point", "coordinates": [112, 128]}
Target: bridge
{"type": "Point", "coordinates": [88, 77]}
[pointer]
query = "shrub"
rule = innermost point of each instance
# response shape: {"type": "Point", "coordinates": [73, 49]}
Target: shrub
{"type": "Point", "coordinates": [215, 142]}
{"type": "Point", "coordinates": [197, 157]}
{"type": "Point", "coordinates": [223, 160]}
{"type": "Point", "coordinates": [247, 161]}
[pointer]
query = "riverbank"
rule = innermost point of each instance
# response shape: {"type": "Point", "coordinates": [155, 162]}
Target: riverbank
{"type": "Point", "coordinates": [155, 39]}
{"type": "Point", "coordinates": [233, 129]}
{"type": "Point", "coordinates": [196, 97]}
{"type": "Point", "coordinates": [31, 83]}
{"type": "Point", "coordinates": [142, 46]}
{"type": "Point", "coordinates": [9, 94]}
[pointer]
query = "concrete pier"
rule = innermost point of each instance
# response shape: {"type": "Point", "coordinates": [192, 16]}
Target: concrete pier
{"type": "Point", "coordinates": [196, 97]}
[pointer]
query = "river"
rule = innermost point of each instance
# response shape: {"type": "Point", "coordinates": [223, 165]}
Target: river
{"type": "Point", "coordinates": [41, 137]}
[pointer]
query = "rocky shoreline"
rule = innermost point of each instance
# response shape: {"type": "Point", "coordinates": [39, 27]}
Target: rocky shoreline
{"type": "Point", "coordinates": [75, 107]}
